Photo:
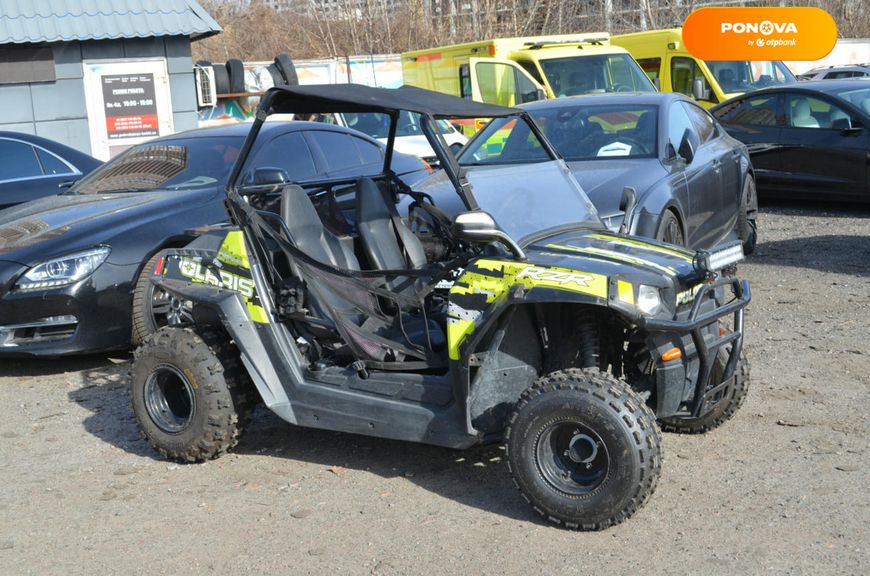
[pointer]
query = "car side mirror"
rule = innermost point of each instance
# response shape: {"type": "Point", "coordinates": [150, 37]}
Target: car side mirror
{"type": "Point", "coordinates": [658, 84]}
{"type": "Point", "coordinates": [626, 206]}
{"type": "Point", "coordinates": [846, 126]}
{"type": "Point", "coordinates": [687, 147]}
{"type": "Point", "coordinates": [66, 184]}
{"type": "Point", "coordinates": [479, 226]}
{"type": "Point", "coordinates": [698, 92]}
{"type": "Point", "coordinates": [265, 180]}
{"type": "Point", "coordinates": [269, 177]}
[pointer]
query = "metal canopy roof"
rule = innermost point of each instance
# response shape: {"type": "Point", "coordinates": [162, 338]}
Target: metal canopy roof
{"type": "Point", "coordinates": [23, 21]}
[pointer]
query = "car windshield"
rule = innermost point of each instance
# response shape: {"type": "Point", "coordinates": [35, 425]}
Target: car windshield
{"type": "Point", "coordinates": [595, 74]}
{"type": "Point", "coordinates": [377, 125]}
{"type": "Point", "coordinates": [745, 75]}
{"type": "Point", "coordinates": [600, 132]}
{"type": "Point", "coordinates": [168, 165]}
{"type": "Point", "coordinates": [521, 184]}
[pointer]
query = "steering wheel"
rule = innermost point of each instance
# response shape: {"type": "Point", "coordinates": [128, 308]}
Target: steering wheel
{"type": "Point", "coordinates": [622, 88]}
{"type": "Point", "coordinates": [634, 142]}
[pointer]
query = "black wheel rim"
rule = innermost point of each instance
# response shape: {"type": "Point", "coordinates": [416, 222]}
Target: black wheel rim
{"type": "Point", "coordinates": [572, 458]}
{"type": "Point", "coordinates": [169, 399]}
{"type": "Point", "coordinates": [672, 233]}
{"type": "Point", "coordinates": [167, 310]}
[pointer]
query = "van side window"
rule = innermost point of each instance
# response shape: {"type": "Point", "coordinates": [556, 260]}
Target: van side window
{"type": "Point", "coordinates": [684, 71]}
{"type": "Point", "coordinates": [503, 84]}
{"type": "Point", "coordinates": [465, 82]}
{"type": "Point", "coordinates": [651, 67]}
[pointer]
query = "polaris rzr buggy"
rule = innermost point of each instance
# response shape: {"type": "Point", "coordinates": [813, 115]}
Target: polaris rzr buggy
{"type": "Point", "coordinates": [538, 328]}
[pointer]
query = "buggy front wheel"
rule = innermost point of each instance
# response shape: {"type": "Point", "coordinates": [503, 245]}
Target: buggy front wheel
{"type": "Point", "coordinates": [190, 393]}
{"type": "Point", "coordinates": [583, 448]}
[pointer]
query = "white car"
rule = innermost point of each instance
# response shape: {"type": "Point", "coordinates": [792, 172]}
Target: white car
{"type": "Point", "coordinates": [409, 135]}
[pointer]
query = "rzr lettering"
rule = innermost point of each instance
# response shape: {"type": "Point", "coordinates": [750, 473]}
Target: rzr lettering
{"type": "Point", "coordinates": [562, 278]}
{"type": "Point", "coordinates": [194, 270]}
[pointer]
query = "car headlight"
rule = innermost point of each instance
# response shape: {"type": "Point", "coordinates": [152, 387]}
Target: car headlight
{"type": "Point", "coordinates": [63, 271]}
{"type": "Point", "coordinates": [649, 299]}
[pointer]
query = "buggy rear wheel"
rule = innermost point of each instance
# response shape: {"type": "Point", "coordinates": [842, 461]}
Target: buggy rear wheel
{"type": "Point", "coordinates": [190, 394]}
{"type": "Point", "coordinates": [583, 448]}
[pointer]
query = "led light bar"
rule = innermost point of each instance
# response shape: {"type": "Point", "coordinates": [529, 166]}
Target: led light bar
{"type": "Point", "coordinates": [720, 257]}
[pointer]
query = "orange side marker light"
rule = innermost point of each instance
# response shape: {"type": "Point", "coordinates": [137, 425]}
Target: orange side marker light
{"type": "Point", "coordinates": [672, 354]}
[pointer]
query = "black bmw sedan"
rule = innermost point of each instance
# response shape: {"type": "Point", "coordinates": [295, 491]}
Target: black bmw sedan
{"type": "Point", "coordinates": [807, 140]}
{"type": "Point", "coordinates": [32, 167]}
{"type": "Point", "coordinates": [69, 264]}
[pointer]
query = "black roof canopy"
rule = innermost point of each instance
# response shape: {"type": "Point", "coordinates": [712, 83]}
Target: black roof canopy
{"type": "Point", "coordinates": [314, 99]}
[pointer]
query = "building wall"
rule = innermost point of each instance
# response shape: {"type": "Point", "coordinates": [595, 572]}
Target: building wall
{"type": "Point", "coordinates": [57, 110]}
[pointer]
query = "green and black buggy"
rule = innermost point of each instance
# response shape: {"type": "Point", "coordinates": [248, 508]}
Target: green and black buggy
{"type": "Point", "coordinates": [541, 330]}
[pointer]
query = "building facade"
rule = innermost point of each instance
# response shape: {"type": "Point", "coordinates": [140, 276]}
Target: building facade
{"type": "Point", "coordinates": [99, 75]}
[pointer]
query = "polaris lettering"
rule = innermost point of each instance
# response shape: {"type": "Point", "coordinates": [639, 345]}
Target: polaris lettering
{"type": "Point", "coordinates": [194, 270]}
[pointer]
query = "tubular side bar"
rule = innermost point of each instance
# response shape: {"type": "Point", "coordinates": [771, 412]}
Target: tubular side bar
{"type": "Point", "coordinates": [706, 352]}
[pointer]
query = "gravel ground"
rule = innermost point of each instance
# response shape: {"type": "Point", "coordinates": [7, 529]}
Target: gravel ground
{"type": "Point", "coordinates": [781, 489]}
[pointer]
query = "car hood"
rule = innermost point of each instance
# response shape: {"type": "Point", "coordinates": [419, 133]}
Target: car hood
{"type": "Point", "coordinates": [634, 259]}
{"type": "Point", "coordinates": [56, 225]}
{"type": "Point", "coordinates": [603, 181]}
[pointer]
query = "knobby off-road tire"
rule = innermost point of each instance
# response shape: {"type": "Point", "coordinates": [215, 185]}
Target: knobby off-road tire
{"type": "Point", "coordinates": [190, 393]}
{"type": "Point", "coordinates": [583, 448]}
{"type": "Point", "coordinates": [721, 412]}
{"type": "Point", "coordinates": [747, 218]}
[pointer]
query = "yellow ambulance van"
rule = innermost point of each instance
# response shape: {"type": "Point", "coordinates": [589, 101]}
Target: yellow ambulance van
{"type": "Point", "coordinates": [665, 60]}
{"type": "Point", "coordinates": [510, 71]}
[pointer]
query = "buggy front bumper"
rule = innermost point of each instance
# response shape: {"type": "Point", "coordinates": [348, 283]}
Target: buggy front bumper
{"type": "Point", "coordinates": [683, 385]}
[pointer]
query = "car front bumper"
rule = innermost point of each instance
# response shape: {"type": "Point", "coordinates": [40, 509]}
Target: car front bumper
{"type": "Point", "coordinates": [93, 315]}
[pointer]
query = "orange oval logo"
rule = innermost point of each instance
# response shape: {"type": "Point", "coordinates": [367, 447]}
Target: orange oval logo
{"type": "Point", "coordinates": [798, 33]}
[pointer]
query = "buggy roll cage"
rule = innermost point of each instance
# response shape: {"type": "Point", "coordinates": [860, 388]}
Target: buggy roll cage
{"type": "Point", "coordinates": [337, 98]}
{"type": "Point", "coordinates": [368, 286]}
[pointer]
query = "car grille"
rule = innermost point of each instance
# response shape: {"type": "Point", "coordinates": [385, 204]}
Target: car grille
{"type": "Point", "coordinates": [50, 329]}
